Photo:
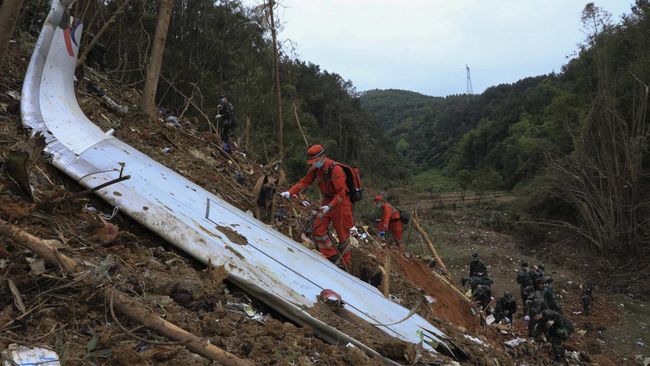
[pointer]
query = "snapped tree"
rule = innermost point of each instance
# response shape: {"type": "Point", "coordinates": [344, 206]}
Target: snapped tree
{"type": "Point", "coordinates": [148, 101]}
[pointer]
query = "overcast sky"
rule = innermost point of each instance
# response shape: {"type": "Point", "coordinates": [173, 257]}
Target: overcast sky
{"type": "Point", "coordinates": [423, 45]}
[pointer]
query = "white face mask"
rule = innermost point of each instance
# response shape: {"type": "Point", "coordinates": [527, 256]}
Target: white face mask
{"type": "Point", "coordinates": [318, 164]}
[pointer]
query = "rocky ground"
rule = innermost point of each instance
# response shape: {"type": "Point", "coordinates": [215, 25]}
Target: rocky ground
{"type": "Point", "coordinates": [70, 318]}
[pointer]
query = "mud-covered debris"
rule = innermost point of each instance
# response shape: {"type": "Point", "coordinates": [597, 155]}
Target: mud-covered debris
{"type": "Point", "coordinates": [246, 309]}
{"type": "Point", "coordinates": [36, 266]}
{"type": "Point", "coordinates": [232, 235]}
{"type": "Point", "coordinates": [354, 356]}
{"type": "Point", "coordinates": [20, 161]}
{"type": "Point", "coordinates": [105, 233]}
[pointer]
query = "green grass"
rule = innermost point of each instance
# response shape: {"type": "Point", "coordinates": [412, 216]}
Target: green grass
{"type": "Point", "coordinates": [433, 180]}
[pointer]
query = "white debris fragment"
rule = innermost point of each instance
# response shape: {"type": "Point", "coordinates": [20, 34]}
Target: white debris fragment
{"type": "Point", "coordinates": [430, 299]}
{"type": "Point", "coordinates": [20, 355]}
{"type": "Point", "coordinates": [475, 340]}
{"type": "Point", "coordinates": [573, 355]}
{"type": "Point", "coordinates": [36, 266]}
{"type": "Point", "coordinates": [489, 319]}
{"type": "Point", "coordinates": [515, 342]}
{"type": "Point", "coordinates": [14, 95]}
{"type": "Point", "coordinates": [640, 343]}
{"type": "Point", "coordinates": [394, 298]}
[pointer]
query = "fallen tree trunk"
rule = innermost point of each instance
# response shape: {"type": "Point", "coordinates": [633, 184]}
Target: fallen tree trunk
{"type": "Point", "coordinates": [427, 239]}
{"type": "Point", "coordinates": [123, 303]}
{"type": "Point", "coordinates": [44, 248]}
{"type": "Point", "coordinates": [134, 310]}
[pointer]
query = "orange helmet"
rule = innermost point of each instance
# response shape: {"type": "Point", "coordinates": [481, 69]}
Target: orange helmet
{"type": "Point", "coordinates": [314, 152]}
{"type": "Point", "coordinates": [379, 198]}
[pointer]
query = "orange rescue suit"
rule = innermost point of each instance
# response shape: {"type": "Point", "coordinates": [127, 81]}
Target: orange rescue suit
{"type": "Point", "coordinates": [391, 222]}
{"type": "Point", "coordinates": [335, 194]}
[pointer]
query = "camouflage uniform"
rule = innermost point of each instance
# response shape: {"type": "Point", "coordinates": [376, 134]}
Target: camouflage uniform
{"type": "Point", "coordinates": [476, 267]}
{"type": "Point", "coordinates": [557, 329]}
{"type": "Point", "coordinates": [536, 274]}
{"type": "Point", "coordinates": [475, 281]}
{"type": "Point", "coordinates": [535, 306]}
{"type": "Point", "coordinates": [586, 298]}
{"type": "Point", "coordinates": [524, 279]}
{"type": "Point", "coordinates": [551, 297]}
{"type": "Point", "coordinates": [483, 295]}
{"type": "Point", "coordinates": [505, 307]}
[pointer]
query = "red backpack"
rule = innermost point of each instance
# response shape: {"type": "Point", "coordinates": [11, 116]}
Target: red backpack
{"type": "Point", "coordinates": [352, 180]}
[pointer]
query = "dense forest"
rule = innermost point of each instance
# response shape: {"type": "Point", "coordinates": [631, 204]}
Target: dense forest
{"type": "Point", "coordinates": [574, 143]}
{"type": "Point", "coordinates": [511, 130]}
{"type": "Point", "coordinates": [223, 47]}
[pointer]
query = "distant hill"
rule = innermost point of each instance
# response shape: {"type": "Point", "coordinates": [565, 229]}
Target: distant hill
{"type": "Point", "coordinates": [391, 106]}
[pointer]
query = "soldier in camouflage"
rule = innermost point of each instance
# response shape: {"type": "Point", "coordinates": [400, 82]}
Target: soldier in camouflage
{"type": "Point", "coordinates": [535, 306]}
{"type": "Point", "coordinates": [506, 306]}
{"type": "Point", "coordinates": [550, 296]}
{"type": "Point", "coordinates": [557, 329]}
{"type": "Point", "coordinates": [587, 297]}
{"type": "Point", "coordinates": [476, 267]}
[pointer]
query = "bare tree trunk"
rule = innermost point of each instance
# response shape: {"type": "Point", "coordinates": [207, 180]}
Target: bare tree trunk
{"type": "Point", "coordinates": [111, 20]}
{"type": "Point", "coordinates": [295, 113]}
{"type": "Point", "coordinates": [8, 17]}
{"type": "Point", "coordinates": [427, 239]}
{"type": "Point", "coordinates": [278, 95]}
{"type": "Point", "coordinates": [155, 59]}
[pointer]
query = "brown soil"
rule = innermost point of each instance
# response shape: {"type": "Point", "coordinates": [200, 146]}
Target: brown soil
{"type": "Point", "coordinates": [448, 305]}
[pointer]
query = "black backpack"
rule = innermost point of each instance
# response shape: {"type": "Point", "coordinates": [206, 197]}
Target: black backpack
{"type": "Point", "coordinates": [404, 216]}
{"type": "Point", "coordinates": [352, 180]}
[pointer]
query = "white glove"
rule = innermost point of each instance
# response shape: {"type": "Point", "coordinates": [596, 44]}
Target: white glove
{"type": "Point", "coordinates": [526, 318]}
{"type": "Point", "coordinates": [325, 209]}
{"type": "Point", "coordinates": [550, 323]}
{"type": "Point", "coordinates": [305, 203]}
{"type": "Point", "coordinates": [285, 195]}
{"type": "Point", "coordinates": [217, 116]}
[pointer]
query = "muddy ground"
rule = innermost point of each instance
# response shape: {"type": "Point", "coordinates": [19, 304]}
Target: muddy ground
{"type": "Point", "coordinates": [73, 320]}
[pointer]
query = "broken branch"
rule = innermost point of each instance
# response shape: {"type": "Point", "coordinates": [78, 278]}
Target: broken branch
{"type": "Point", "coordinates": [427, 239]}
{"type": "Point", "coordinates": [37, 245]}
{"type": "Point", "coordinates": [124, 304]}
{"type": "Point", "coordinates": [17, 297]}
{"type": "Point", "coordinates": [90, 190]}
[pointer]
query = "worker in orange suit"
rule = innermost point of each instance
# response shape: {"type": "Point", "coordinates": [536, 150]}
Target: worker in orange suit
{"type": "Point", "coordinates": [335, 207]}
{"type": "Point", "coordinates": [390, 221]}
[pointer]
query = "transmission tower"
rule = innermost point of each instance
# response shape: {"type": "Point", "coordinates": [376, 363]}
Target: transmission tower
{"type": "Point", "coordinates": [470, 91]}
